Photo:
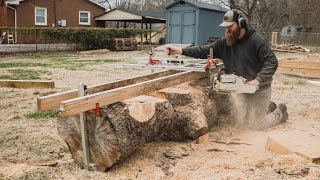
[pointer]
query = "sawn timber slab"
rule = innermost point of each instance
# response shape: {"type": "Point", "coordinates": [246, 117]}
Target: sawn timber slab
{"type": "Point", "coordinates": [302, 143]}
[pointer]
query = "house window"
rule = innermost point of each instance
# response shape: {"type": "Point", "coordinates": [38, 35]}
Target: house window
{"type": "Point", "coordinates": [84, 18]}
{"type": "Point", "coordinates": [289, 30]}
{"type": "Point", "coordinates": [40, 16]}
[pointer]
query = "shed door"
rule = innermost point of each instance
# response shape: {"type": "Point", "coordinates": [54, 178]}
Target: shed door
{"type": "Point", "coordinates": [188, 27]}
{"type": "Point", "coordinates": [182, 27]}
{"type": "Point", "coordinates": [175, 27]}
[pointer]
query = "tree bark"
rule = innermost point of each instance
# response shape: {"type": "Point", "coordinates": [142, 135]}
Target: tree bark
{"type": "Point", "coordinates": [179, 113]}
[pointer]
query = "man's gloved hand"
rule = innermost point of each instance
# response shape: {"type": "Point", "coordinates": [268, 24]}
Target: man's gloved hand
{"type": "Point", "coordinates": [253, 82]}
{"type": "Point", "coordinates": [171, 50]}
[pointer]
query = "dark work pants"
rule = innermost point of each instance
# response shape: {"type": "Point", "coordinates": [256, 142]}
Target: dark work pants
{"type": "Point", "coordinates": [251, 110]}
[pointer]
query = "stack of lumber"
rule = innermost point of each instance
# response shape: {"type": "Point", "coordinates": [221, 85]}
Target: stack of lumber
{"type": "Point", "coordinates": [290, 47]}
{"type": "Point", "coordinates": [305, 68]}
{"type": "Point", "coordinates": [122, 44]}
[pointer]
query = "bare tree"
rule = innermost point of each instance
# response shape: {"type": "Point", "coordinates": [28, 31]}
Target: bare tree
{"type": "Point", "coordinates": [263, 15]}
{"type": "Point", "coordinates": [246, 6]}
{"type": "Point", "coordinates": [136, 4]}
{"type": "Point", "coordinates": [2, 2]}
{"type": "Point", "coordinates": [305, 14]}
{"type": "Point", "coordinates": [271, 14]}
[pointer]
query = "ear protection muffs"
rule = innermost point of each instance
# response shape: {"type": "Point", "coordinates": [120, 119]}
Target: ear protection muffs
{"type": "Point", "coordinates": [242, 23]}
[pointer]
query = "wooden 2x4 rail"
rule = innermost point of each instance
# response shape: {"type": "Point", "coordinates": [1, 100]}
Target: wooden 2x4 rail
{"type": "Point", "coordinates": [53, 101]}
{"type": "Point", "coordinates": [109, 93]}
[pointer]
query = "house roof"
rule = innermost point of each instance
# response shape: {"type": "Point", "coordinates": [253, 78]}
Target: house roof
{"type": "Point", "coordinates": [16, 2]}
{"type": "Point", "coordinates": [200, 5]}
{"type": "Point", "coordinates": [132, 16]}
{"type": "Point", "coordinates": [152, 14]}
{"type": "Point", "coordinates": [291, 26]}
{"type": "Point", "coordinates": [98, 4]}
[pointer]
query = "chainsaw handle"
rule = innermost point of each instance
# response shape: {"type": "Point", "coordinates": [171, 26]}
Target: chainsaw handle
{"type": "Point", "coordinates": [220, 72]}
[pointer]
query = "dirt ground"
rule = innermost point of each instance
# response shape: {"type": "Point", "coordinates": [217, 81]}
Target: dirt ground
{"type": "Point", "coordinates": [24, 141]}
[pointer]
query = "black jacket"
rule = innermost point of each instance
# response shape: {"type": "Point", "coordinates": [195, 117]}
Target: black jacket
{"type": "Point", "coordinates": [250, 57]}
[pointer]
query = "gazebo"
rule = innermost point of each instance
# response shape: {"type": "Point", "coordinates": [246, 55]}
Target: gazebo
{"type": "Point", "coordinates": [135, 16]}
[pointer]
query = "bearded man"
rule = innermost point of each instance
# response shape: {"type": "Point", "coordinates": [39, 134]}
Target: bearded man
{"type": "Point", "coordinates": [245, 53]}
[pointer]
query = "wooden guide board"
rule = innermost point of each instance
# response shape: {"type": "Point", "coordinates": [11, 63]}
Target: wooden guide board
{"type": "Point", "coordinates": [117, 91]}
{"type": "Point", "coordinates": [53, 101]}
{"type": "Point", "coordinates": [26, 84]}
{"type": "Point", "coordinates": [81, 104]}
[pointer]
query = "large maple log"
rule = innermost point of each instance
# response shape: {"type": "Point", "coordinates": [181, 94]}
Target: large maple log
{"type": "Point", "coordinates": [178, 113]}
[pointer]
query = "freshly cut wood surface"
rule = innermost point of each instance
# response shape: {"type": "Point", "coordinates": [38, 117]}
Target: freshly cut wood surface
{"type": "Point", "coordinates": [142, 108]}
{"type": "Point", "coordinates": [302, 143]}
{"type": "Point", "coordinates": [103, 145]}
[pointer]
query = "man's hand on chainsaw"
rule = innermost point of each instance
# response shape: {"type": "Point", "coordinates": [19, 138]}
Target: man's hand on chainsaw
{"type": "Point", "coordinates": [253, 82]}
{"type": "Point", "coordinates": [171, 50]}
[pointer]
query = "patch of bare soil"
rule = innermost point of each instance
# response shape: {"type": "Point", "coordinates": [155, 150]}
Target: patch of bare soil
{"type": "Point", "coordinates": [229, 153]}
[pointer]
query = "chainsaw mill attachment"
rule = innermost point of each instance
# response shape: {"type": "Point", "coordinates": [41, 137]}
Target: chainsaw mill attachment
{"type": "Point", "coordinates": [231, 83]}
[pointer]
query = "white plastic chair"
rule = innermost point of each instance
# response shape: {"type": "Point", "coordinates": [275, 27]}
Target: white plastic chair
{"type": "Point", "coordinates": [10, 38]}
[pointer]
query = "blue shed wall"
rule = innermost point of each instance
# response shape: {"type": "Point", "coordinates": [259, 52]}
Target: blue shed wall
{"type": "Point", "coordinates": [178, 8]}
{"type": "Point", "coordinates": [209, 25]}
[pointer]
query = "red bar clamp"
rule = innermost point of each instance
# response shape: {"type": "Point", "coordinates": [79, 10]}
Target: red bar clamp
{"type": "Point", "coordinates": [96, 111]}
{"type": "Point", "coordinates": [209, 64]}
{"type": "Point", "coordinates": [153, 62]}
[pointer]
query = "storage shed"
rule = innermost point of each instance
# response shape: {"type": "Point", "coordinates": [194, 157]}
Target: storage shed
{"type": "Point", "coordinates": [290, 31]}
{"type": "Point", "coordinates": [192, 22]}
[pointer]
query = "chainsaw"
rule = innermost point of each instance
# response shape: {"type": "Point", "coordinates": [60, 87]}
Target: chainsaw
{"type": "Point", "coordinates": [231, 83]}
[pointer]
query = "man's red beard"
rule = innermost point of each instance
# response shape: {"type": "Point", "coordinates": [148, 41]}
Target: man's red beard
{"type": "Point", "coordinates": [232, 36]}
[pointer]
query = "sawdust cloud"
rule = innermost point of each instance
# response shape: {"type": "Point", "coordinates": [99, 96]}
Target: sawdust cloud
{"type": "Point", "coordinates": [243, 114]}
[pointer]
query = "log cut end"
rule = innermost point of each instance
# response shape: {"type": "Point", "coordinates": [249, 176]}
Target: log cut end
{"type": "Point", "coordinates": [102, 141]}
{"type": "Point", "coordinates": [142, 108]}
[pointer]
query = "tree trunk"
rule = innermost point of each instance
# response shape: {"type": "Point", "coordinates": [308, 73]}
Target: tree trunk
{"type": "Point", "coordinates": [178, 113]}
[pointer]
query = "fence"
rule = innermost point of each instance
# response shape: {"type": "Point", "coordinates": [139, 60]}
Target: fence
{"type": "Point", "coordinates": [304, 39]}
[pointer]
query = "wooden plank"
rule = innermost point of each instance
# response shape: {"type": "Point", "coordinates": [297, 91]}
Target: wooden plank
{"type": "Point", "coordinates": [86, 103]}
{"type": "Point", "coordinates": [299, 64]}
{"type": "Point", "coordinates": [289, 51]}
{"type": "Point", "coordinates": [26, 84]}
{"type": "Point", "coordinates": [311, 73]}
{"type": "Point", "coordinates": [53, 101]}
{"type": "Point", "coordinates": [302, 143]}
{"type": "Point", "coordinates": [81, 104]}
{"type": "Point", "coordinates": [313, 56]}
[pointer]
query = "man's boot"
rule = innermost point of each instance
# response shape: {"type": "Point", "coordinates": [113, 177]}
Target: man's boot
{"type": "Point", "coordinates": [284, 111]}
{"type": "Point", "coordinates": [272, 107]}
